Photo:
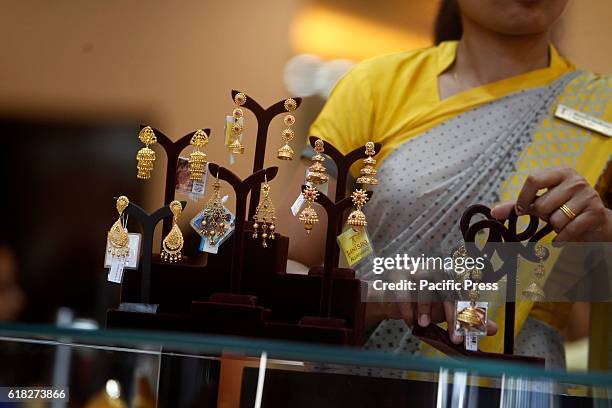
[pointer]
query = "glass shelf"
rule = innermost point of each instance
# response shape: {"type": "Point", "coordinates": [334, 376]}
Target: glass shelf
{"type": "Point", "coordinates": [177, 369]}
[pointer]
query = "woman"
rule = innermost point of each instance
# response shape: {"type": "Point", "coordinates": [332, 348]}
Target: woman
{"type": "Point", "coordinates": [472, 121]}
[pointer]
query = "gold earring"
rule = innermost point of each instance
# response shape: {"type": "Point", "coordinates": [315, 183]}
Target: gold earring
{"type": "Point", "coordinates": [317, 173]}
{"type": "Point", "coordinates": [472, 317]}
{"type": "Point", "coordinates": [236, 146]}
{"type": "Point", "coordinates": [173, 242]}
{"type": "Point", "coordinates": [264, 216]}
{"type": "Point", "coordinates": [309, 216]}
{"type": "Point", "coordinates": [368, 172]}
{"type": "Point", "coordinates": [197, 158]}
{"type": "Point", "coordinates": [117, 235]}
{"type": "Point", "coordinates": [357, 218]}
{"type": "Point", "coordinates": [286, 152]}
{"type": "Point", "coordinates": [146, 156]}
{"type": "Point", "coordinates": [534, 292]}
{"type": "Point", "coordinates": [213, 224]}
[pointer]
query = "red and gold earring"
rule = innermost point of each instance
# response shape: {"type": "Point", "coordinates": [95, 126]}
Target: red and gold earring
{"type": "Point", "coordinates": [235, 146]}
{"type": "Point", "coordinates": [309, 216]}
{"type": "Point", "coordinates": [286, 152]}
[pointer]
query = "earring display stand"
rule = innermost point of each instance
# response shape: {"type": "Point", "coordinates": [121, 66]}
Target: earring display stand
{"type": "Point", "coordinates": [147, 223]}
{"type": "Point", "coordinates": [498, 232]}
{"type": "Point", "coordinates": [264, 118]}
{"type": "Point", "coordinates": [343, 164]}
{"type": "Point", "coordinates": [173, 151]}
{"type": "Point", "coordinates": [244, 288]}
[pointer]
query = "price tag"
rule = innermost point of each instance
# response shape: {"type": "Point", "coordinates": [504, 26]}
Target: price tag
{"type": "Point", "coordinates": [115, 274]}
{"type": "Point", "coordinates": [297, 205]}
{"type": "Point", "coordinates": [355, 245]}
{"type": "Point", "coordinates": [471, 342]}
{"type": "Point", "coordinates": [198, 188]}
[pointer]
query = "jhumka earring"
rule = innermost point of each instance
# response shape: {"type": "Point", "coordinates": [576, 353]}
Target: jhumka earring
{"type": "Point", "coordinates": [368, 172]}
{"type": "Point", "coordinates": [309, 216]}
{"type": "Point", "coordinates": [317, 173]}
{"type": "Point", "coordinates": [117, 236]}
{"type": "Point", "coordinates": [286, 152]}
{"type": "Point", "coordinates": [213, 224]}
{"type": "Point", "coordinates": [236, 146]}
{"type": "Point", "coordinates": [357, 219]}
{"type": "Point", "coordinates": [197, 158]}
{"type": "Point", "coordinates": [146, 156]}
{"type": "Point", "coordinates": [264, 216]}
{"type": "Point", "coordinates": [534, 292]}
{"type": "Point", "coordinates": [471, 316]}
{"type": "Point", "coordinates": [173, 242]}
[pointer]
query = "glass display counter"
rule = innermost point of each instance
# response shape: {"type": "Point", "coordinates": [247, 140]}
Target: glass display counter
{"type": "Point", "coordinates": [100, 368]}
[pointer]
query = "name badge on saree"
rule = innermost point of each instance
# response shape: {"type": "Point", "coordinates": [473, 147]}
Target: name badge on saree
{"type": "Point", "coordinates": [582, 119]}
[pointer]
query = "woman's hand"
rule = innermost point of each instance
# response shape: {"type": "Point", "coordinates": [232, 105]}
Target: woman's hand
{"type": "Point", "coordinates": [421, 313]}
{"type": "Point", "coordinates": [588, 218]}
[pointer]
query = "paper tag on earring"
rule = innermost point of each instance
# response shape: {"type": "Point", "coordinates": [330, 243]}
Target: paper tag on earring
{"type": "Point", "coordinates": [471, 342]}
{"type": "Point", "coordinates": [131, 262]}
{"type": "Point", "coordinates": [355, 245]}
{"type": "Point", "coordinates": [115, 274]}
{"type": "Point", "coordinates": [470, 319]}
{"type": "Point", "coordinates": [205, 246]}
{"type": "Point", "coordinates": [198, 188]}
{"type": "Point", "coordinates": [297, 205]}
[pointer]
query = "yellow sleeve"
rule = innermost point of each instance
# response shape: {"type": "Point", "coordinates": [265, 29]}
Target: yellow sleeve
{"type": "Point", "coordinates": [347, 119]}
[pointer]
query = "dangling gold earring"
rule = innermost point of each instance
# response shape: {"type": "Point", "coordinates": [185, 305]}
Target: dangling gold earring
{"type": "Point", "coordinates": [309, 216]}
{"type": "Point", "coordinates": [173, 242]}
{"type": "Point", "coordinates": [534, 292]}
{"type": "Point", "coordinates": [286, 152]}
{"type": "Point", "coordinates": [236, 146]}
{"type": "Point", "coordinates": [213, 224]}
{"type": "Point", "coordinates": [357, 219]}
{"type": "Point", "coordinates": [197, 158]}
{"type": "Point", "coordinates": [368, 172]}
{"type": "Point", "coordinates": [317, 173]}
{"type": "Point", "coordinates": [146, 156]}
{"type": "Point", "coordinates": [264, 216]}
{"type": "Point", "coordinates": [117, 235]}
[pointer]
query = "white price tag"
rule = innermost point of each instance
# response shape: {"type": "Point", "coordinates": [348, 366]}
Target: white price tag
{"type": "Point", "coordinates": [115, 274]}
{"type": "Point", "coordinates": [297, 205]}
{"type": "Point", "coordinates": [471, 342]}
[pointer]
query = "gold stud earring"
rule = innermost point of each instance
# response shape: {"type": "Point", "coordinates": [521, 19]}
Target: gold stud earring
{"type": "Point", "coordinates": [286, 152]}
{"type": "Point", "coordinates": [534, 292]}
{"type": "Point", "coordinates": [265, 216]}
{"type": "Point", "coordinates": [309, 216]}
{"type": "Point", "coordinates": [118, 236]}
{"type": "Point", "coordinates": [173, 242]}
{"type": "Point", "coordinates": [236, 146]}
{"type": "Point", "coordinates": [357, 219]}
{"type": "Point", "coordinates": [146, 156]}
{"type": "Point", "coordinates": [215, 221]}
{"type": "Point", "coordinates": [317, 173]}
{"type": "Point", "coordinates": [368, 172]}
{"type": "Point", "coordinates": [197, 159]}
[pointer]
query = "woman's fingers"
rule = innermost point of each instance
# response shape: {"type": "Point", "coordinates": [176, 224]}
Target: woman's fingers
{"type": "Point", "coordinates": [588, 221]}
{"type": "Point", "coordinates": [491, 327]}
{"type": "Point", "coordinates": [502, 211]}
{"type": "Point", "coordinates": [559, 219]}
{"type": "Point", "coordinates": [424, 313]}
{"type": "Point", "coordinates": [449, 310]}
{"type": "Point", "coordinates": [541, 179]}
